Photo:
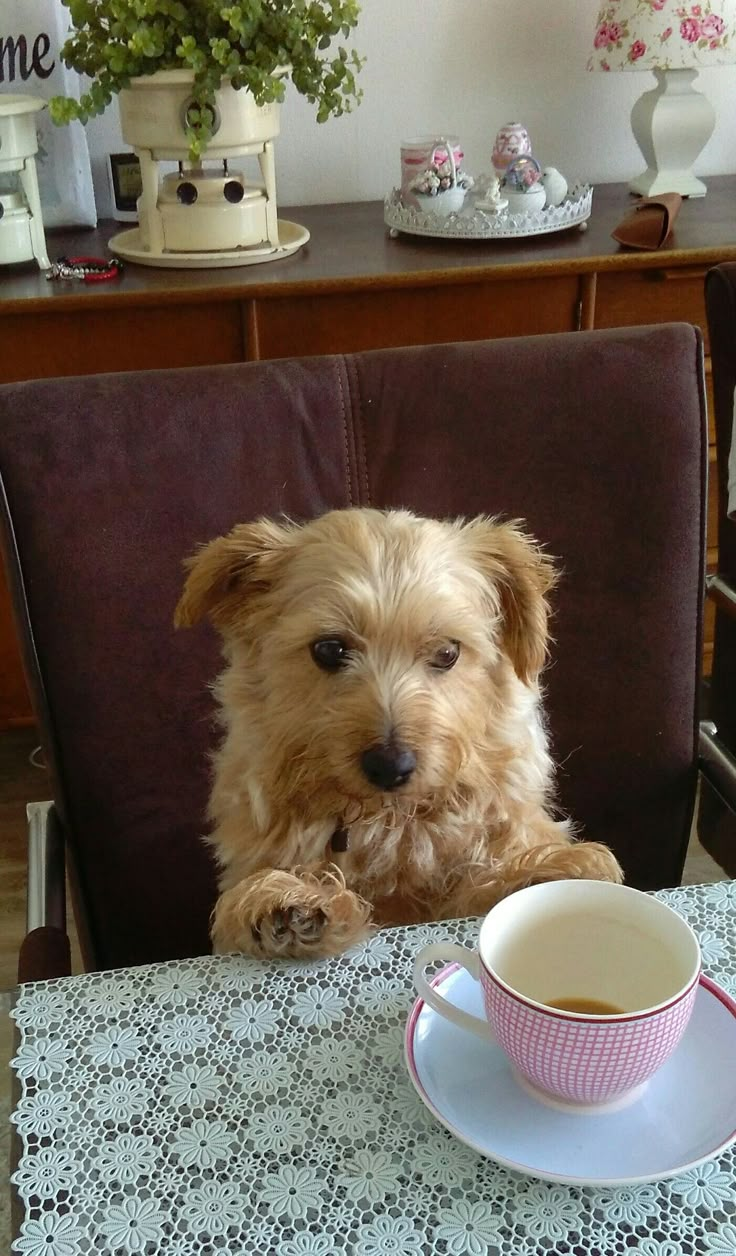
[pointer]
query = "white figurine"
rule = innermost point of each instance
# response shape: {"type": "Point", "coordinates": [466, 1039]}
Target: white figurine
{"type": "Point", "coordinates": [555, 185]}
{"type": "Point", "coordinates": [493, 202]}
{"type": "Point", "coordinates": [493, 194]}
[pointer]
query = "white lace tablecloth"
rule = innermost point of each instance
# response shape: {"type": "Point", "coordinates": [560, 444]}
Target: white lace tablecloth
{"type": "Point", "coordinates": [221, 1105]}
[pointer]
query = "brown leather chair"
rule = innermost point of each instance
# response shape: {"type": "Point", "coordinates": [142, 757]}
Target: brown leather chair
{"type": "Point", "coordinates": [716, 822]}
{"type": "Point", "coordinates": [597, 439]}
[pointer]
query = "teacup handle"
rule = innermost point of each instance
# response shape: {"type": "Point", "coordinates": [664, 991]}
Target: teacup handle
{"type": "Point", "coordinates": [450, 953]}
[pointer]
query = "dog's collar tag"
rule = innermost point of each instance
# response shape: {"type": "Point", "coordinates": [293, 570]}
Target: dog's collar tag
{"type": "Point", "coordinates": [340, 841]}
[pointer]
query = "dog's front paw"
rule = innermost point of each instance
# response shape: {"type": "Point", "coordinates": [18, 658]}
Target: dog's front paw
{"type": "Point", "coordinates": [598, 862]}
{"type": "Point", "coordinates": [308, 913]}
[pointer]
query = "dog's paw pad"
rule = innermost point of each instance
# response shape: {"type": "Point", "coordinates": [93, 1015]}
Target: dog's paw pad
{"type": "Point", "coordinates": [307, 925]}
{"type": "Point", "coordinates": [278, 923]}
{"type": "Point", "coordinates": [290, 929]}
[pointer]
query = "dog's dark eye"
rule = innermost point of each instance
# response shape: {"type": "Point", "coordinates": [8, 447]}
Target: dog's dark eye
{"type": "Point", "coordinates": [446, 657]}
{"type": "Point", "coordinates": [330, 653]}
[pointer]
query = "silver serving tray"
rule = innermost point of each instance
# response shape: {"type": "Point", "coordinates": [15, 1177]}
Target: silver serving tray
{"type": "Point", "coordinates": [473, 223]}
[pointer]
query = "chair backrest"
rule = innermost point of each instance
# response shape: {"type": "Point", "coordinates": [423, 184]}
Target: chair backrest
{"type": "Point", "coordinates": [720, 294]}
{"type": "Point", "coordinates": [596, 439]}
{"type": "Point", "coordinates": [716, 821]}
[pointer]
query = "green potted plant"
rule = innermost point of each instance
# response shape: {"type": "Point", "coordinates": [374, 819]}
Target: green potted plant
{"type": "Point", "coordinates": [254, 47]}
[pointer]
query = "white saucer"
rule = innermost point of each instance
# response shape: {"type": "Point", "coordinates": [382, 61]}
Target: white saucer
{"type": "Point", "coordinates": [127, 244]}
{"type": "Point", "coordinates": [685, 1115]}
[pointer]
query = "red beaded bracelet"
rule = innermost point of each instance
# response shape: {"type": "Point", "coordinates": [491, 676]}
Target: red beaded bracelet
{"type": "Point", "coordinates": [86, 269]}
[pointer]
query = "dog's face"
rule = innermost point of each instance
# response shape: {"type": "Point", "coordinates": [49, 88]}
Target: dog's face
{"type": "Point", "coordinates": [369, 650]}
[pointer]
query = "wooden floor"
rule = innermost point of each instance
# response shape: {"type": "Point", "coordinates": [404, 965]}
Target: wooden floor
{"type": "Point", "coordinates": [21, 782]}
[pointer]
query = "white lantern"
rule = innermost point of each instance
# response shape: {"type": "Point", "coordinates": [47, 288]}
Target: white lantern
{"type": "Point", "coordinates": [22, 235]}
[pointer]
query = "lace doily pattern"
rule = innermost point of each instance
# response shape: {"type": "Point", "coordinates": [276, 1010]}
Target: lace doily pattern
{"type": "Point", "coordinates": [221, 1105]}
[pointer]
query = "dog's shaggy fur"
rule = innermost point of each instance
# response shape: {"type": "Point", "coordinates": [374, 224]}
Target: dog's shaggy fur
{"type": "Point", "coordinates": [401, 596]}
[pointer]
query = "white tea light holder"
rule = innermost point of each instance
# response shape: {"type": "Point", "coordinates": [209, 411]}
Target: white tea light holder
{"type": "Point", "coordinates": [22, 236]}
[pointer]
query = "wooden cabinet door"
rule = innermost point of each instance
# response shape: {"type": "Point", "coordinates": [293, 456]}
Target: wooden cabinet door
{"type": "Point", "coordinates": [668, 295]}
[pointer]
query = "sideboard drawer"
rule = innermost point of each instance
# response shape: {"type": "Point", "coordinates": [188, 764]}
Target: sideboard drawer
{"type": "Point", "coordinates": [673, 295]}
{"type": "Point", "coordinates": [344, 322]}
{"type": "Point", "coordinates": [90, 341]}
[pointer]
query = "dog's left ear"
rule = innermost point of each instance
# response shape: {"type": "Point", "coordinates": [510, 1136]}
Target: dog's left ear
{"type": "Point", "coordinates": [520, 576]}
{"type": "Point", "coordinates": [226, 574]}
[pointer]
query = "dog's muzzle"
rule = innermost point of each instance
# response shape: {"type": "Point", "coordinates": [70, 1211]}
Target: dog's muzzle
{"type": "Point", "coordinates": [388, 766]}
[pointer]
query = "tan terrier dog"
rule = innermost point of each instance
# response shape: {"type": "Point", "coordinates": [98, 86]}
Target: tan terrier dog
{"type": "Point", "coordinates": [381, 693]}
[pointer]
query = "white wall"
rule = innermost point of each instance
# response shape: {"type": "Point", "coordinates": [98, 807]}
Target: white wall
{"type": "Point", "coordinates": [466, 66]}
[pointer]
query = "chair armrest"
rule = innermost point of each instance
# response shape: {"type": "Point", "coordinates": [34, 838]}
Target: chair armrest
{"type": "Point", "coordinates": [45, 950]}
{"type": "Point", "coordinates": [722, 593]}
{"type": "Point", "coordinates": [717, 763]}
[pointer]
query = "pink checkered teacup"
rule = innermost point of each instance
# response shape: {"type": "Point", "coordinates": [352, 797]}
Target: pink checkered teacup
{"type": "Point", "coordinates": [587, 987]}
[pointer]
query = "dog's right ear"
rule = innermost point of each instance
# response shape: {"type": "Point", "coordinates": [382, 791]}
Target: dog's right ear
{"type": "Point", "coordinates": [225, 573]}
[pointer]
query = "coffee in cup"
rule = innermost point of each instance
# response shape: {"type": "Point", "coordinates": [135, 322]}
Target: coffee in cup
{"type": "Point", "coordinates": [587, 986]}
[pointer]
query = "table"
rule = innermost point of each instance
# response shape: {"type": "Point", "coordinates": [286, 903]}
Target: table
{"type": "Point", "coordinates": [226, 1105]}
{"type": "Point", "coordinates": [351, 288]}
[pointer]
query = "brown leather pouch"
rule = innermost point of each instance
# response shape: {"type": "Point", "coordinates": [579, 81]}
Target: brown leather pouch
{"type": "Point", "coordinates": [649, 223]}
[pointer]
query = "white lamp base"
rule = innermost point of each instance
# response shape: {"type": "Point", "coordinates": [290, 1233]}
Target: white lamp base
{"type": "Point", "coordinates": [672, 124]}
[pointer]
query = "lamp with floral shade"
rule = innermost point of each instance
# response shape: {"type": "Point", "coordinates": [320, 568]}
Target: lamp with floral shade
{"type": "Point", "coordinates": [673, 122]}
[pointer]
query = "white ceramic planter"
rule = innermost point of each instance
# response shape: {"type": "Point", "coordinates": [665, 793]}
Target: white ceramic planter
{"type": "Point", "coordinates": [525, 202]}
{"type": "Point", "coordinates": [200, 216]}
{"type": "Point", "coordinates": [153, 116]}
{"type": "Point", "coordinates": [449, 202]}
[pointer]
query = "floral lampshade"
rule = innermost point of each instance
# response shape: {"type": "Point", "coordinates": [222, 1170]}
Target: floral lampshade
{"type": "Point", "coordinates": [664, 34]}
{"type": "Point", "coordinates": [673, 122]}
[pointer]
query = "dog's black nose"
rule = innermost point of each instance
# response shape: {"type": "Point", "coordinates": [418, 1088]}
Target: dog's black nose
{"type": "Point", "coordinates": [388, 767]}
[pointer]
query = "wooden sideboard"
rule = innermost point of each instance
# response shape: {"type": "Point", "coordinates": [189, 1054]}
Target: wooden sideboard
{"type": "Point", "coordinates": [353, 287]}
